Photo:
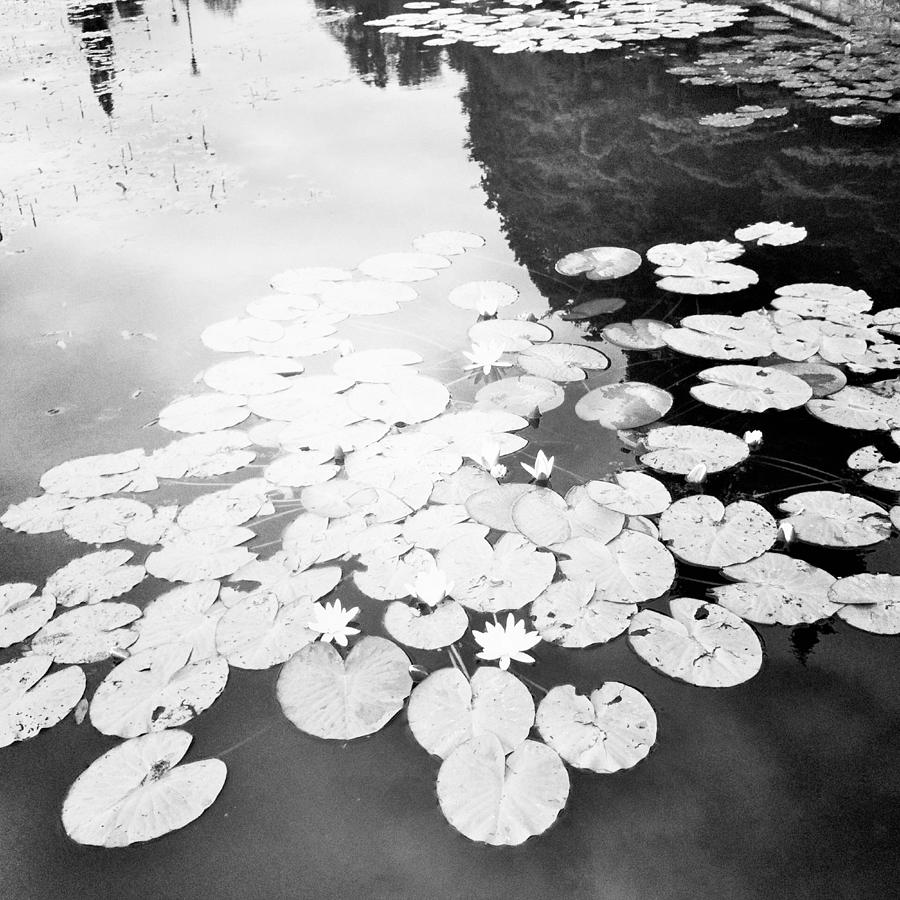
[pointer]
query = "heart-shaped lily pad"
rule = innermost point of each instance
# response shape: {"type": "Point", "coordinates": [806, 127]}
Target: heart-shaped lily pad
{"type": "Point", "coordinates": [832, 519]}
{"type": "Point", "coordinates": [342, 699]}
{"type": "Point", "coordinates": [750, 388]}
{"type": "Point", "coordinates": [446, 709]}
{"type": "Point", "coordinates": [573, 614]}
{"type": "Point", "coordinates": [676, 449]}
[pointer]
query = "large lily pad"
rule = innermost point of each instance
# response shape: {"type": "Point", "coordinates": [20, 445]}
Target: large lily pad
{"type": "Point", "coordinates": [723, 337]}
{"type": "Point", "coordinates": [342, 699]}
{"type": "Point", "coordinates": [105, 520]}
{"type": "Point", "coordinates": [700, 643]}
{"type": "Point", "coordinates": [31, 702]}
{"type": "Point", "coordinates": [136, 791]}
{"type": "Point", "coordinates": [627, 404]}
{"type": "Point", "coordinates": [93, 476]}
{"type": "Point", "coordinates": [631, 568]}
{"type": "Point", "coordinates": [872, 602]}
{"type": "Point", "coordinates": [207, 553]}
{"type": "Point", "coordinates": [187, 614]}
{"type": "Point", "coordinates": [572, 614]}
{"type": "Point", "coordinates": [750, 388]}
{"type": "Point", "coordinates": [612, 729]}
{"type": "Point", "coordinates": [702, 531]}
{"type": "Point", "coordinates": [204, 413]}
{"type": "Point", "coordinates": [676, 449]}
{"type": "Point", "coordinates": [561, 362]}
{"type": "Point", "coordinates": [777, 590]}
{"type": "Point", "coordinates": [490, 579]}
{"type": "Point", "coordinates": [156, 689]}
{"type": "Point", "coordinates": [408, 400]}
{"type": "Point", "coordinates": [447, 709]}
{"type": "Point", "coordinates": [502, 800]}
{"type": "Point", "coordinates": [203, 455]}
{"type": "Point", "coordinates": [832, 519]}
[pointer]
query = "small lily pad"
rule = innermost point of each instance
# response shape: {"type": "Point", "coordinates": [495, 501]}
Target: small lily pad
{"type": "Point", "coordinates": [600, 263]}
{"type": "Point", "coordinates": [429, 629]}
{"type": "Point", "coordinates": [22, 614]}
{"type": "Point", "coordinates": [641, 334]}
{"type": "Point", "coordinates": [872, 602]}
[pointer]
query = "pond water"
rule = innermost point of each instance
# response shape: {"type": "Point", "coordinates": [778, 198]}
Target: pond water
{"type": "Point", "coordinates": [162, 161]}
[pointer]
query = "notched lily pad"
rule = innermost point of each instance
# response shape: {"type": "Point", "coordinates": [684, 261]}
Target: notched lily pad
{"type": "Point", "coordinates": [832, 519]}
{"type": "Point", "coordinates": [872, 602]}
{"type": "Point", "coordinates": [676, 449]}
{"type": "Point", "coordinates": [612, 729]}
{"type": "Point", "coordinates": [573, 614]}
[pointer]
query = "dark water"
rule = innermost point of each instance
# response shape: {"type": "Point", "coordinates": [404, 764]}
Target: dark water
{"type": "Point", "coordinates": [282, 139]}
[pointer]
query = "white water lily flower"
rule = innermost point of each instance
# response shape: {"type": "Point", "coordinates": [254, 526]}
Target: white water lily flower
{"type": "Point", "coordinates": [430, 587]}
{"type": "Point", "coordinates": [785, 533]}
{"type": "Point", "coordinates": [488, 458]}
{"type": "Point", "coordinates": [697, 475]}
{"type": "Point", "coordinates": [506, 643]}
{"type": "Point", "coordinates": [485, 357]}
{"type": "Point", "coordinates": [332, 622]}
{"type": "Point", "coordinates": [542, 468]}
{"type": "Point", "coordinates": [753, 439]}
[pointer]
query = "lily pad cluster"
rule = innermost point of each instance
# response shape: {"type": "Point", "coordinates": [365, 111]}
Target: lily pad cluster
{"type": "Point", "coordinates": [405, 493]}
{"type": "Point", "coordinates": [583, 26]}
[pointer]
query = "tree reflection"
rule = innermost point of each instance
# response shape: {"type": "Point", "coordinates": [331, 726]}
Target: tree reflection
{"type": "Point", "coordinates": [605, 148]}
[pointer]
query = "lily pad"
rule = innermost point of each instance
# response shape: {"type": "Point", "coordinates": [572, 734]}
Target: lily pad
{"type": "Point", "coordinates": [94, 577]}
{"type": "Point", "coordinates": [204, 413]}
{"type": "Point", "coordinates": [627, 404]}
{"type": "Point", "coordinates": [22, 614]}
{"type": "Point", "coordinates": [447, 243]}
{"type": "Point", "coordinates": [31, 702]}
{"type": "Point", "coordinates": [832, 519]}
{"type": "Point", "coordinates": [822, 379]}
{"type": "Point", "coordinates": [612, 729]}
{"type": "Point", "coordinates": [409, 399]}
{"type": "Point", "coordinates": [252, 375]}
{"type": "Point", "coordinates": [777, 590]}
{"type": "Point", "coordinates": [105, 520]}
{"type": "Point", "coordinates": [342, 699]}
{"type": "Point", "coordinates": [490, 579]}
{"type": "Point", "coordinates": [484, 297]}
{"type": "Point", "coordinates": [631, 493]}
{"type": "Point", "coordinates": [377, 366]}
{"type": "Point", "coordinates": [237, 335]}
{"type": "Point", "coordinates": [509, 335]}
{"type": "Point", "coordinates": [502, 800]}
{"type": "Point", "coordinates": [203, 455]}
{"type": "Point", "coordinates": [572, 614]}
{"type": "Point", "coordinates": [403, 266]}
{"type": "Point", "coordinates": [872, 602]}
{"type": "Point", "coordinates": [641, 334]}
{"type": "Point", "coordinates": [750, 388]}
{"type": "Point", "coordinates": [93, 476]}
{"type": "Point", "coordinates": [493, 506]}
{"type": "Point", "coordinates": [859, 407]}
{"type": "Point", "coordinates": [599, 306]}
{"type": "Point", "coordinates": [600, 263]}
{"type": "Point", "coordinates": [204, 554]}
{"type": "Point", "coordinates": [187, 614]}
{"type": "Point", "coordinates": [156, 689]}
{"type": "Point", "coordinates": [259, 631]}
{"type": "Point", "coordinates": [446, 709]}
{"type": "Point", "coordinates": [367, 298]}
{"type": "Point", "coordinates": [136, 791]}
{"type": "Point", "coordinates": [701, 643]}
{"type": "Point", "coordinates": [561, 362]}
{"type": "Point", "coordinates": [39, 515]}
{"type": "Point", "coordinates": [775, 234]}
{"type": "Point", "coordinates": [631, 568]}
{"type": "Point", "coordinates": [723, 337]}
{"type": "Point", "coordinates": [308, 280]}
{"type": "Point", "coordinates": [429, 629]}
{"type": "Point", "coordinates": [521, 395]}
{"type": "Point", "coordinates": [88, 634]}
{"type": "Point", "coordinates": [676, 449]}
{"type": "Point", "coordinates": [701, 531]}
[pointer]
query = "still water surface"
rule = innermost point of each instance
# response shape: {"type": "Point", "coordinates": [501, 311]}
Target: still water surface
{"type": "Point", "coordinates": [155, 188]}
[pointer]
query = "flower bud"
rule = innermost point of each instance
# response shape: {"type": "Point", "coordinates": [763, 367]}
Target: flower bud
{"type": "Point", "coordinates": [697, 475]}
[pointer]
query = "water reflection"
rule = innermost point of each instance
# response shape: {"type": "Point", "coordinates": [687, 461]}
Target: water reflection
{"type": "Point", "coordinates": [96, 43]}
{"type": "Point", "coordinates": [606, 148]}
